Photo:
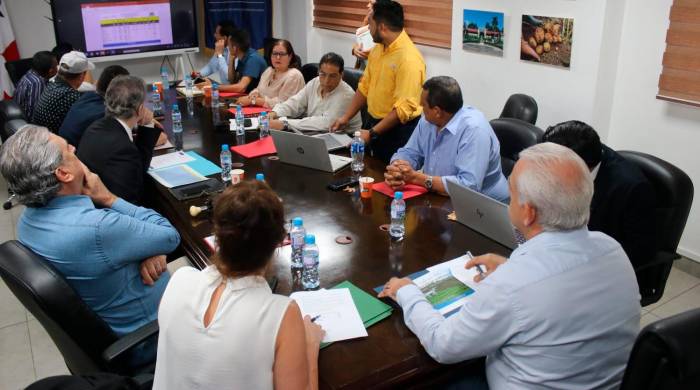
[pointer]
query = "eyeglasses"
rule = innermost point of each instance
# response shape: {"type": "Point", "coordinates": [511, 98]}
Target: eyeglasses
{"type": "Point", "coordinates": [329, 75]}
{"type": "Point", "coordinates": [278, 54]}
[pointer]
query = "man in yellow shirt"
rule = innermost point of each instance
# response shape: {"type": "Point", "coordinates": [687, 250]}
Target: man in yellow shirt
{"type": "Point", "coordinates": [391, 85]}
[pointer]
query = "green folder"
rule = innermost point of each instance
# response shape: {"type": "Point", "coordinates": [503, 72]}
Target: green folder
{"type": "Point", "coordinates": [371, 309]}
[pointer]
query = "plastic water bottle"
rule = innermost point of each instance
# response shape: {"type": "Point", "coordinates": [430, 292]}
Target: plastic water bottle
{"type": "Point", "coordinates": [214, 95]}
{"type": "Point", "coordinates": [155, 100]}
{"type": "Point", "coordinates": [225, 158]}
{"type": "Point", "coordinates": [164, 77]}
{"type": "Point", "coordinates": [240, 125]}
{"type": "Point", "coordinates": [189, 94]}
{"type": "Point", "coordinates": [264, 125]}
{"type": "Point", "coordinates": [398, 215]}
{"type": "Point", "coordinates": [357, 152]}
{"type": "Point", "coordinates": [309, 275]}
{"type": "Point", "coordinates": [297, 235]}
{"type": "Point", "coordinates": [177, 126]}
{"type": "Point", "coordinates": [260, 177]}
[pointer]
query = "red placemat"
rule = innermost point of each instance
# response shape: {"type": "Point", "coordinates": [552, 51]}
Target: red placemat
{"type": "Point", "coordinates": [250, 111]}
{"type": "Point", "coordinates": [232, 94]}
{"type": "Point", "coordinates": [409, 190]}
{"type": "Point", "coordinates": [256, 148]}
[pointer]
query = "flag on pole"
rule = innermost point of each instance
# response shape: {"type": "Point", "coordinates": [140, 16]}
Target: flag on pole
{"type": "Point", "coordinates": [8, 48]}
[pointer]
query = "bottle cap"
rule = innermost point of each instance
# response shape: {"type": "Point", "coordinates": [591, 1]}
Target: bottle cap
{"type": "Point", "coordinates": [298, 221]}
{"type": "Point", "coordinates": [264, 113]}
{"type": "Point", "coordinates": [398, 195]}
{"type": "Point", "coordinates": [358, 133]}
{"type": "Point", "coordinates": [224, 147]}
{"type": "Point", "coordinates": [176, 107]}
{"type": "Point", "coordinates": [310, 239]}
{"type": "Point", "coordinates": [260, 177]}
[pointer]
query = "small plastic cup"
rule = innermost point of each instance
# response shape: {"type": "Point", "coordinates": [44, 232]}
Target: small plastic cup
{"type": "Point", "coordinates": [366, 184]}
{"type": "Point", "coordinates": [237, 176]}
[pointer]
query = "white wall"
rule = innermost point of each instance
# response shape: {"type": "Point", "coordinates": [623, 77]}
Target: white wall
{"type": "Point", "coordinates": [641, 122]}
{"type": "Point", "coordinates": [34, 32]}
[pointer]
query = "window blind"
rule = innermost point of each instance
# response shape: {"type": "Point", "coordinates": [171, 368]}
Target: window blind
{"type": "Point", "coordinates": [680, 78]}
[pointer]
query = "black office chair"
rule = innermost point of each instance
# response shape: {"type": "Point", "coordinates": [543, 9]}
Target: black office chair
{"type": "Point", "coordinates": [17, 69]}
{"type": "Point", "coordinates": [352, 77]}
{"type": "Point", "coordinates": [9, 110]}
{"type": "Point", "coordinates": [520, 106]}
{"type": "Point", "coordinates": [674, 196]}
{"type": "Point", "coordinates": [666, 355]}
{"type": "Point", "coordinates": [86, 342]}
{"type": "Point", "coordinates": [514, 135]}
{"type": "Point", "coordinates": [310, 71]}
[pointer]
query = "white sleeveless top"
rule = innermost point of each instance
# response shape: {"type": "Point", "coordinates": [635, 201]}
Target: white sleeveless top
{"type": "Point", "coordinates": [236, 351]}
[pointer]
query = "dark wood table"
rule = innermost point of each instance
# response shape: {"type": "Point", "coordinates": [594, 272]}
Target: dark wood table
{"type": "Point", "coordinates": [391, 355]}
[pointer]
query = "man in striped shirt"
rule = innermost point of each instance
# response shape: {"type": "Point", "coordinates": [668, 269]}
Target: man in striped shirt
{"type": "Point", "coordinates": [31, 85]}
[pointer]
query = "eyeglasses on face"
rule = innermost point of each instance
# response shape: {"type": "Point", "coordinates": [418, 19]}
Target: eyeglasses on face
{"type": "Point", "coordinates": [279, 54]}
{"type": "Point", "coordinates": [328, 75]}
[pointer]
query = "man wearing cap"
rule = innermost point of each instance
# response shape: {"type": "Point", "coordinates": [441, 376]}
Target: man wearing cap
{"type": "Point", "coordinates": [59, 96]}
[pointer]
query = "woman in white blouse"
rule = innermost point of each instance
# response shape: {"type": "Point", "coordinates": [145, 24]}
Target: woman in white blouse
{"type": "Point", "coordinates": [278, 82]}
{"type": "Point", "coordinates": [222, 327]}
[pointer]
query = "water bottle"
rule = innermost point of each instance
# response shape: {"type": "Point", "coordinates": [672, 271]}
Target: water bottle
{"type": "Point", "coordinates": [214, 95]}
{"type": "Point", "coordinates": [155, 100]}
{"type": "Point", "coordinates": [177, 126]}
{"type": "Point", "coordinates": [164, 76]}
{"type": "Point", "coordinates": [240, 125]}
{"type": "Point", "coordinates": [260, 177]}
{"type": "Point", "coordinates": [309, 275]}
{"type": "Point", "coordinates": [357, 152]}
{"type": "Point", "coordinates": [398, 215]}
{"type": "Point", "coordinates": [225, 158]}
{"type": "Point", "coordinates": [297, 235]}
{"type": "Point", "coordinates": [264, 125]}
{"type": "Point", "coordinates": [189, 94]}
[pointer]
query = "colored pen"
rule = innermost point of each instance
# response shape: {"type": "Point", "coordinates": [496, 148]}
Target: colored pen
{"type": "Point", "coordinates": [315, 318]}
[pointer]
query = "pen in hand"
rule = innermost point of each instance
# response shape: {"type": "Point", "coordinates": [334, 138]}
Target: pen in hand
{"type": "Point", "coordinates": [315, 318]}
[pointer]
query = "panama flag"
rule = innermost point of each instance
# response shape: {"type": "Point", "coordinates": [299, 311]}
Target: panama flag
{"type": "Point", "coordinates": [8, 47]}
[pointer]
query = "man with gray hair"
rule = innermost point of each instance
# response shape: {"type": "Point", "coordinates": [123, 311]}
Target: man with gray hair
{"type": "Point", "coordinates": [109, 146]}
{"type": "Point", "coordinates": [110, 251]}
{"type": "Point", "coordinates": [562, 312]}
{"type": "Point", "coordinates": [451, 142]}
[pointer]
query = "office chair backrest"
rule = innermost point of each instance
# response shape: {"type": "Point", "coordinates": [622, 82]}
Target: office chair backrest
{"type": "Point", "coordinates": [9, 110]}
{"type": "Point", "coordinates": [666, 355]}
{"type": "Point", "coordinates": [520, 106]}
{"type": "Point", "coordinates": [77, 331]}
{"type": "Point", "coordinates": [514, 136]}
{"type": "Point", "coordinates": [674, 196]}
{"type": "Point", "coordinates": [17, 69]}
{"type": "Point", "coordinates": [352, 77]}
{"type": "Point", "coordinates": [310, 71]}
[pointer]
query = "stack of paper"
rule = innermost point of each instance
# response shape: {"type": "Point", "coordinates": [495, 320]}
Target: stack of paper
{"type": "Point", "coordinates": [180, 168]}
{"type": "Point", "coordinates": [334, 310]}
{"type": "Point", "coordinates": [364, 38]}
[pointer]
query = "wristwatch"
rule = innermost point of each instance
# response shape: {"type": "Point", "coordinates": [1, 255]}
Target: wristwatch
{"type": "Point", "coordinates": [285, 123]}
{"type": "Point", "coordinates": [373, 134]}
{"type": "Point", "coordinates": [429, 183]}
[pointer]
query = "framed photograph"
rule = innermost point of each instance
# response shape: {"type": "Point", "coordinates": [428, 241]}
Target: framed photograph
{"type": "Point", "coordinates": [547, 40]}
{"type": "Point", "coordinates": [483, 32]}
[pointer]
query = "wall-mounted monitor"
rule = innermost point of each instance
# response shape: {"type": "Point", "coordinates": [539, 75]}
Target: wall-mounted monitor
{"type": "Point", "coordinates": [113, 30]}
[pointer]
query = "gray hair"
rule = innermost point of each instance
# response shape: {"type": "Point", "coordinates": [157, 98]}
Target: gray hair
{"type": "Point", "coordinates": [124, 96]}
{"type": "Point", "coordinates": [558, 184]}
{"type": "Point", "coordinates": [28, 161]}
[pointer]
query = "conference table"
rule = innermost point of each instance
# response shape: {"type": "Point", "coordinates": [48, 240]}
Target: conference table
{"type": "Point", "coordinates": [391, 356]}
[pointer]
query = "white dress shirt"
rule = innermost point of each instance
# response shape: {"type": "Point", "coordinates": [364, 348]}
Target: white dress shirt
{"type": "Point", "coordinates": [563, 312]}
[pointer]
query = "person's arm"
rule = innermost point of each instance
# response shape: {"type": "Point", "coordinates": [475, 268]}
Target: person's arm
{"type": "Point", "coordinates": [472, 161]}
{"type": "Point", "coordinates": [240, 86]}
{"type": "Point", "coordinates": [296, 353]}
{"type": "Point", "coordinates": [413, 152]}
{"type": "Point", "coordinates": [358, 101]}
{"type": "Point", "coordinates": [410, 76]}
{"type": "Point", "coordinates": [295, 106]}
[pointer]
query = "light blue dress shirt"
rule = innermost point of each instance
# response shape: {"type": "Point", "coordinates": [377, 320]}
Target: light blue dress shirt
{"type": "Point", "coordinates": [217, 65]}
{"type": "Point", "coordinates": [466, 151]}
{"type": "Point", "coordinates": [99, 252]}
{"type": "Point", "coordinates": [563, 312]}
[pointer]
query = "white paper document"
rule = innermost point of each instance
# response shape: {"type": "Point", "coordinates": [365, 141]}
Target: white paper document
{"type": "Point", "coordinates": [170, 159]}
{"type": "Point", "coordinates": [364, 38]}
{"type": "Point", "coordinates": [334, 310]}
{"type": "Point", "coordinates": [465, 276]}
{"type": "Point", "coordinates": [175, 176]}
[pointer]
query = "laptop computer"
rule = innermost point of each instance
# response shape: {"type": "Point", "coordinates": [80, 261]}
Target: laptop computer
{"type": "Point", "coordinates": [483, 214]}
{"type": "Point", "coordinates": [334, 141]}
{"type": "Point", "coordinates": [307, 151]}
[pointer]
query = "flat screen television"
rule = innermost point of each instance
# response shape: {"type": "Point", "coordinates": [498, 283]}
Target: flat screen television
{"type": "Point", "coordinates": [108, 30]}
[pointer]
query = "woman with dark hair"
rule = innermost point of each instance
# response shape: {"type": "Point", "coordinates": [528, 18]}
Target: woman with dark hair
{"type": "Point", "coordinates": [222, 327]}
{"type": "Point", "coordinates": [280, 81]}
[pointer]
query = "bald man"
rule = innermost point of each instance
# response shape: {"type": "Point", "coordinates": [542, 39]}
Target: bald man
{"type": "Point", "coordinates": [540, 316]}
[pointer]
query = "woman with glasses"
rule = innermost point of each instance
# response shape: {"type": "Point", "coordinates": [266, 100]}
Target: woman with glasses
{"type": "Point", "coordinates": [280, 81]}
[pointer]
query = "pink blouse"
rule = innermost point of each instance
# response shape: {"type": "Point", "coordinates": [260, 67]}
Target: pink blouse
{"type": "Point", "coordinates": [280, 88]}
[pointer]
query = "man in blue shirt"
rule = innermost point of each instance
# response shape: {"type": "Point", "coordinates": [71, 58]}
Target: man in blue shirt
{"type": "Point", "coordinates": [89, 107]}
{"type": "Point", "coordinates": [562, 312]}
{"type": "Point", "coordinates": [218, 64]}
{"type": "Point", "coordinates": [109, 250]}
{"type": "Point", "coordinates": [250, 66]}
{"type": "Point", "coordinates": [450, 142]}
{"type": "Point", "coordinates": [31, 85]}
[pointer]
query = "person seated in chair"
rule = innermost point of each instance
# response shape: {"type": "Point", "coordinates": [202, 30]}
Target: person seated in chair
{"type": "Point", "coordinates": [218, 64]}
{"type": "Point", "coordinates": [110, 251]}
{"type": "Point", "coordinates": [32, 84]}
{"type": "Point", "coordinates": [623, 198]}
{"type": "Point", "coordinates": [450, 142]}
{"type": "Point", "coordinates": [245, 74]}
{"type": "Point", "coordinates": [561, 312]}
{"type": "Point", "coordinates": [319, 103]}
{"type": "Point", "coordinates": [223, 325]}
{"type": "Point", "coordinates": [109, 146]}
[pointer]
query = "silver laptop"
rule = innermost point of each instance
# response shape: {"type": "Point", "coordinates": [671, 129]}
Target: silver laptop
{"type": "Point", "coordinates": [307, 151]}
{"type": "Point", "coordinates": [483, 214]}
{"type": "Point", "coordinates": [334, 141]}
